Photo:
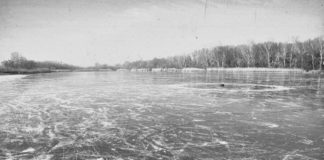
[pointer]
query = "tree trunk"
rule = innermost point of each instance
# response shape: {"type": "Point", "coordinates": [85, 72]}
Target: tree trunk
{"type": "Point", "coordinates": [268, 59]}
{"type": "Point", "coordinates": [248, 62]}
{"type": "Point", "coordinates": [268, 53]}
{"type": "Point", "coordinates": [321, 54]}
{"type": "Point", "coordinates": [290, 60]}
{"type": "Point", "coordinates": [313, 62]}
{"type": "Point", "coordinates": [321, 60]}
{"type": "Point", "coordinates": [284, 57]}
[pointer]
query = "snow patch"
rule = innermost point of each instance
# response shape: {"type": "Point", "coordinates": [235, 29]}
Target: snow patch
{"type": "Point", "coordinates": [4, 78]}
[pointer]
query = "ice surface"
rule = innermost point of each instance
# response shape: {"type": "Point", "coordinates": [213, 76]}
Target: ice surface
{"type": "Point", "coordinates": [6, 78]}
{"type": "Point", "coordinates": [160, 116]}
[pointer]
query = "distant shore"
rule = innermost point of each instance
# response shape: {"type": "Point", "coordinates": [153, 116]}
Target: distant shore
{"type": "Point", "coordinates": [6, 71]}
{"type": "Point", "coordinates": [12, 71]}
{"type": "Point", "coordinates": [237, 69]}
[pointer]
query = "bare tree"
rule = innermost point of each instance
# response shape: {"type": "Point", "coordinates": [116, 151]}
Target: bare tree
{"type": "Point", "coordinates": [312, 53]}
{"type": "Point", "coordinates": [284, 53]}
{"type": "Point", "coordinates": [246, 52]}
{"type": "Point", "coordinates": [267, 46]}
{"type": "Point", "coordinates": [297, 48]}
{"type": "Point", "coordinates": [215, 57]}
{"type": "Point", "coordinates": [291, 57]}
{"type": "Point", "coordinates": [320, 40]}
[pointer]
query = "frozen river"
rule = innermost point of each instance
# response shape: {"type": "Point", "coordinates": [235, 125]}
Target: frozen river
{"type": "Point", "coordinates": [115, 115]}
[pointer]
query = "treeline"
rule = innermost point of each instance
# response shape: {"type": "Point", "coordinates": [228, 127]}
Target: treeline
{"type": "Point", "coordinates": [17, 61]}
{"type": "Point", "coordinates": [99, 66]}
{"type": "Point", "coordinates": [307, 55]}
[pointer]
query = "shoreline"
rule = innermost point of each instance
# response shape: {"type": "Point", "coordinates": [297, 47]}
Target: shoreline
{"type": "Point", "coordinates": [234, 70]}
{"type": "Point", "coordinates": [4, 71]}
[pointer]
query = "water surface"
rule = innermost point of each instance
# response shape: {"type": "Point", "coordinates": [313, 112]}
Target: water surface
{"type": "Point", "coordinates": [111, 115]}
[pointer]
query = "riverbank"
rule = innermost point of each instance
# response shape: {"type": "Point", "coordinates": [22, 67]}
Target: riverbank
{"type": "Point", "coordinates": [235, 70]}
{"type": "Point", "coordinates": [10, 71]}
{"type": "Point", "coordinates": [6, 71]}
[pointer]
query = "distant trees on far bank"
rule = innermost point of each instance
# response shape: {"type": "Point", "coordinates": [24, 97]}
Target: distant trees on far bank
{"type": "Point", "coordinates": [17, 61]}
{"type": "Point", "coordinates": [307, 55]}
{"type": "Point", "coordinates": [99, 66]}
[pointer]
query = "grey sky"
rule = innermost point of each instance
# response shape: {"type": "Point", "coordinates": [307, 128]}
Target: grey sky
{"type": "Point", "coordinates": [83, 32]}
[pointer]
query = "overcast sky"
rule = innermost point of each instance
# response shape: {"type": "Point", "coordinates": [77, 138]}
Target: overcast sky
{"type": "Point", "coordinates": [83, 32]}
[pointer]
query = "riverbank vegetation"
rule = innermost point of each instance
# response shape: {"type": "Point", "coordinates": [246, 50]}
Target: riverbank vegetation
{"type": "Point", "coordinates": [18, 64]}
{"type": "Point", "coordinates": [102, 67]}
{"type": "Point", "coordinates": [295, 56]}
{"type": "Point", "coordinates": [306, 55]}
